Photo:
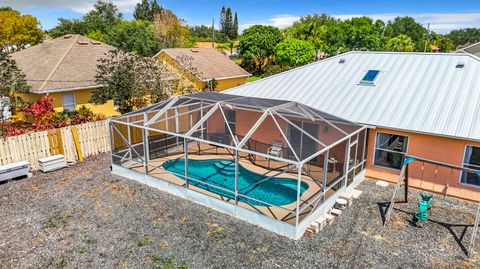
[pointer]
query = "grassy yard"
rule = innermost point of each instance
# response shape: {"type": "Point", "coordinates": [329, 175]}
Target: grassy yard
{"type": "Point", "coordinates": [84, 217]}
{"type": "Point", "coordinates": [253, 78]}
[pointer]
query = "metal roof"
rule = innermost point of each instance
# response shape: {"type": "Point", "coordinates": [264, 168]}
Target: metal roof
{"type": "Point", "coordinates": [419, 92]}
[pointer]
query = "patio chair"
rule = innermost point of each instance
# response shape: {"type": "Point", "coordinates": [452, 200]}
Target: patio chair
{"type": "Point", "coordinates": [276, 149]}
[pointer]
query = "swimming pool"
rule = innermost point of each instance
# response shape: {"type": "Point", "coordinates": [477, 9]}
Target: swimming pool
{"type": "Point", "coordinates": [221, 172]}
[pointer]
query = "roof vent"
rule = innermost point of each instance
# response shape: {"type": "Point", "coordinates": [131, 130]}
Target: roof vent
{"type": "Point", "coordinates": [341, 61]}
{"type": "Point", "coordinates": [194, 50]}
{"type": "Point", "coordinates": [82, 42]}
{"type": "Point", "coordinates": [95, 43]}
{"type": "Point", "coordinates": [460, 64]}
{"type": "Point", "coordinates": [67, 36]}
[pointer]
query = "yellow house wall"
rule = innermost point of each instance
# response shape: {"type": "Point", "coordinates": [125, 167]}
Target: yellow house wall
{"type": "Point", "coordinates": [222, 84]}
{"type": "Point", "coordinates": [225, 84]}
{"type": "Point", "coordinates": [173, 66]}
{"type": "Point", "coordinates": [82, 98]}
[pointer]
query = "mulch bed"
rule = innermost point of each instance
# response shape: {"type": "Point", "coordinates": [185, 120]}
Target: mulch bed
{"type": "Point", "coordinates": [84, 217]}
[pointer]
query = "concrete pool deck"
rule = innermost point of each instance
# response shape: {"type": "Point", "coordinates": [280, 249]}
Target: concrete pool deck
{"type": "Point", "coordinates": [278, 219]}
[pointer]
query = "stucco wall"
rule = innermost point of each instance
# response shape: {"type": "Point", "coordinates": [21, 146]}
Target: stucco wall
{"type": "Point", "coordinates": [443, 149]}
{"type": "Point", "coordinates": [82, 97]}
{"type": "Point", "coordinates": [225, 84]}
{"type": "Point", "coordinates": [222, 84]}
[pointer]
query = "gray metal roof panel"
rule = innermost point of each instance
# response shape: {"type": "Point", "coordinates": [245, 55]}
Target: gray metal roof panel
{"type": "Point", "coordinates": [420, 92]}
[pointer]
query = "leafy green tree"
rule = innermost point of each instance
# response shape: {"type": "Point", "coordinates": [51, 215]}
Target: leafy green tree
{"type": "Point", "coordinates": [97, 35]}
{"type": "Point", "coordinates": [313, 28]}
{"type": "Point", "coordinates": [465, 36]}
{"type": "Point", "coordinates": [132, 81]}
{"type": "Point", "coordinates": [12, 80]}
{"type": "Point", "coordinates": [66, 26]}
{"type": "Point", "coordinates": [409, 27]}
{"type": "Point", "coordinates": [103, 16]}
{"type": "Point", "coordinates": [335, 38]}
{"type": "Point", "coordinates": [260, 42]}
{"type": "Point", "coordinates": [134, 36]}
{"type": "Point", "coordinates": [294, 52]}
{"type": "Point", "coordinates": [204, 33]}
{"type": "Point", "coordinates": [170, 30]}
{"type": "Point", "coordinates": [362, 33]}
{"type": "Point", "coordinates": [401, 43]}
{"type": "Point", "coordinates": [146, 10]}
{"type": "Point", "coordinates": [442, 42]}
{"type": "Point", "coordinates": [17, 31]}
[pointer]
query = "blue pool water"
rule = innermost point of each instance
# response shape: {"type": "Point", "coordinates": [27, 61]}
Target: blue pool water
{"type": "Point", "coordinates": [221, 172]}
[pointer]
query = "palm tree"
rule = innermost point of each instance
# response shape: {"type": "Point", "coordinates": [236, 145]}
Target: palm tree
{"type": "Point", "coordinates": [401, 43]}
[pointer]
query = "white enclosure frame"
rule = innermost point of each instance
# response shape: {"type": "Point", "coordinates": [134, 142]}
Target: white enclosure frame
{"type": "Point", "coordinates": [276, 110]}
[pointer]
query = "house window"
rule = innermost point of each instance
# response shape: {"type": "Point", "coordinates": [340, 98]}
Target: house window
{"type": "Point", "coordinates": [231, 116]}
{"type": "Point", "coordinates": [370, 77]}
{"type": "Point", "coordinates": [390, 150]}
{"type": "Point", "coordinates": [68, 101]}
{"type": "Point", "coordinates": [471, 160]}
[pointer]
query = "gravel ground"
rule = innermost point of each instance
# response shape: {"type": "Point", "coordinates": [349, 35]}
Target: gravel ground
{"type": "Point", "coordinates": [84, 217]}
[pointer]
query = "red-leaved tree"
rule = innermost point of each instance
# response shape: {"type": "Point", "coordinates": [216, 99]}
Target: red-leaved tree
{"type": "Point", "coordinates": [42, 113]}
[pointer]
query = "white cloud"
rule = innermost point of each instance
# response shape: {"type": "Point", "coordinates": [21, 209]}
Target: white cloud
{"type": "Point", "coordinates": [80, 6]}
{"type": "Point", "coordinates": [439, 22]}
{"type": "Point", "coordinates": [279, 21]}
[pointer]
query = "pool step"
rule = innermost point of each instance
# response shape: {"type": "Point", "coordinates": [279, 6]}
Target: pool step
{"type": "Point", "coordinates": [225, 167]}
{"type": "Point", "coordinates": [227, 172]}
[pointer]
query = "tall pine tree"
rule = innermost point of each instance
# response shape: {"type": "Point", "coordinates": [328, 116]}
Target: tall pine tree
{"type": "Point", "coordinates": [146, 10]}
{"type": "Point", "coordinates": [222, 19]}
{"type": "Point", "coordinates": [228, 23]}
{"type": "Point", "coordinates": [235, 27]}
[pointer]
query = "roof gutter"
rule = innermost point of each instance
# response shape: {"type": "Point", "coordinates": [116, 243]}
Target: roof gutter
{"type": "Point", "coordinates": [68, 89]}
{"type": "Point", "coordinates": [228, 77]}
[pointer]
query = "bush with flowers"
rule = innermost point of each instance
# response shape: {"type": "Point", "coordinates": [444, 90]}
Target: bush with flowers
{"type": "Point", "coordinates": [41, 116]}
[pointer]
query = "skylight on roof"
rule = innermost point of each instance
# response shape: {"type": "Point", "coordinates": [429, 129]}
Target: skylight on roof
{"type": "Point", "coordinates": [370, 77]}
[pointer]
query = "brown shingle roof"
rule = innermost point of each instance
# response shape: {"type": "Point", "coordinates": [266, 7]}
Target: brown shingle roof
{"type": "Point", "coordinates": [209, 62]}
{"type": "Point", "coordinates": [64, 63]}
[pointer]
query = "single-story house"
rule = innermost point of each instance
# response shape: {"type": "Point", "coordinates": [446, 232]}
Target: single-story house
{"type": "Point", "coordinates": [473, 49]}
{"type": "Point", "coordinates": [202, 65]}
{"type": "Point", "coordinates": [219, 47]}
{"type": "Point", "coordinates": [421, 104]}
{"type": "Point", "coordinates": [65, 69]}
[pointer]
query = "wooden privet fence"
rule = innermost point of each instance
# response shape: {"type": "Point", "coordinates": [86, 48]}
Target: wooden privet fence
{"type": "Point", "coordinates": [75, 142]}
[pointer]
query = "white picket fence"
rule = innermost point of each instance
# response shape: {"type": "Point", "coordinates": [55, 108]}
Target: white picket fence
{"type": "Point", "coordinates": [93, 138]}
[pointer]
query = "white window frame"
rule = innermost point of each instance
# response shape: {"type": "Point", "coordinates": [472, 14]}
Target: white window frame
{"type": "Point", "coordinates": [463, 165]}
{"type": "Point", "coordinates": [392, 151]}
{"type": "Point", "coordinates": [65, 105]}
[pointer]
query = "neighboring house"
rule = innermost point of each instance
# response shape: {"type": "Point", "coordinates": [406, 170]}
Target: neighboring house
{"type": "Point", "coordinates": [202, 65]}
{"type": "Point", "coordinates": [65, 69]}
{"type": "Point", "coordinates": [423, 104]}
{"type": "Point", "coordinates": [219, 46]}
{"type": "Point", "coordinates": [472, 49]}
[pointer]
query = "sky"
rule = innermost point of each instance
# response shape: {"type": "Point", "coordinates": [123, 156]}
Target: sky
{"type": "Point", "coordinates": [443, 15]}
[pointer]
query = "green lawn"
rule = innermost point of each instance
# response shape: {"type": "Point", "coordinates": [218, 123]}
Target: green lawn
{"type": "Point", "coordinates": [252, 78]}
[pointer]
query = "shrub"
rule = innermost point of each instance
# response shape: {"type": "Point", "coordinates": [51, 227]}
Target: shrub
{"type": "Point", "coordinates": [248, 63]}
{"type": "Point", "coordinates": [274, 69]}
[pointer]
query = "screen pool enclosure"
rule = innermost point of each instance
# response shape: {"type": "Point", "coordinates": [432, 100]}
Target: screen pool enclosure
{"type": "Point", "coordinates": [277, 164]}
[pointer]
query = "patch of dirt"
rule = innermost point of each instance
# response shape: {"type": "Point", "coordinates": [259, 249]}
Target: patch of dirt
{"type": "Point", "coordinates": [84, 217]}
